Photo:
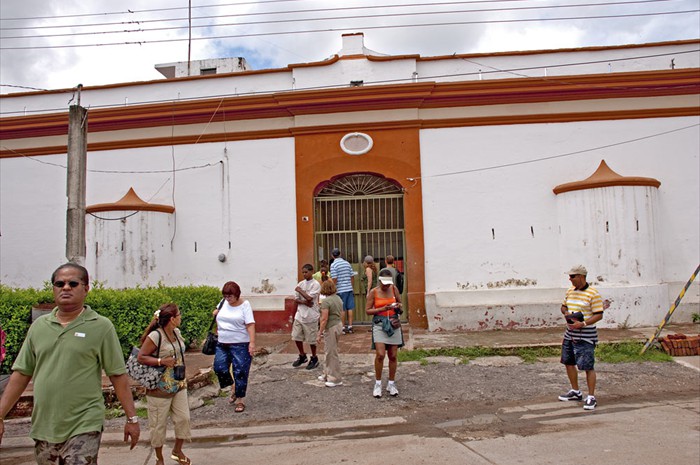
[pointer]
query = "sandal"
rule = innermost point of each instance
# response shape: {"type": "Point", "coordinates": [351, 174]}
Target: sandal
{"type": "Point", "coordinates": [232, 399]}
{"type": "Point", "coordinates": [184, 460]}
{"type": "Point", "coordinates": [240, 407]}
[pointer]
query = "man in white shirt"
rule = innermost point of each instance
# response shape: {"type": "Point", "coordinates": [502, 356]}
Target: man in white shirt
{"type": "Point", "coordinates": [305, 326]}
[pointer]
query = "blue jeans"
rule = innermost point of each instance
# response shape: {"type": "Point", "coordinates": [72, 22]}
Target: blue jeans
{"type": "Point", "coordinates": [233, 358]}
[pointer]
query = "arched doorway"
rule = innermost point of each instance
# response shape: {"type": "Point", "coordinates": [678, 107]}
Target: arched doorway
{"type": "Point", "coordinates": [361, 214]}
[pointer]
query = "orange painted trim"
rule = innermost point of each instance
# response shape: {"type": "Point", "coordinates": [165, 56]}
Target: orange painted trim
{"type": "Point", "coordinates": [412, 95]}
{"type": "Point", "coordinates": [364, 127]}
{"type": "Point", "coordinates": [561, 117]}
{"type": "Point", "coordinates": [604, 176]}
{"type": "Point", "coordinates": [396, 156]}
{"type": "Point", "coordinates": [151, 142]}
{"type": "Point", "coordinates": [329, 61]}
{"type": "Point", "coordinates": [130, 202]}
{"type": "Point", "coordinates": [148, 83]}
{"type": "Point", "coordinates": [370, 57]}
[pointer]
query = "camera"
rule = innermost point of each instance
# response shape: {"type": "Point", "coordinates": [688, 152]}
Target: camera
{"type": "Point", "coordinates": [179, 372]}
{"type": "Point", "coordinates": [572, 318]}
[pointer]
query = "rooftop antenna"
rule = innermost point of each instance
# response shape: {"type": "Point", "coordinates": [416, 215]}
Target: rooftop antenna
{"type": "Point", "coordinates": [189, 39]}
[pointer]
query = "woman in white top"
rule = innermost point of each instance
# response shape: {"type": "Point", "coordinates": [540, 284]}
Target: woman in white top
{"type": "Point", "coordinates": [234, 352]}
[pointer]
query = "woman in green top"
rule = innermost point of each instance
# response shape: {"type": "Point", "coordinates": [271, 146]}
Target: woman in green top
{"type": "Point", "coordinates": [330, 329]}
{"type": "Point", "coordinates": [369, 277]}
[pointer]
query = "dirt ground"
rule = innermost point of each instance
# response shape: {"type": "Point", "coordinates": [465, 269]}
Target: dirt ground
{"type": "Point", "coordinates": [436, 392]}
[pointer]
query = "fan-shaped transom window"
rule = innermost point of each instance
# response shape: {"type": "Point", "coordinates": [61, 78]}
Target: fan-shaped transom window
{"type": "Point", "coordinates": [359, 184]}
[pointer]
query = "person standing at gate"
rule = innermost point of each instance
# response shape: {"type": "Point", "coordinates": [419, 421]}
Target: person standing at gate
{"type": "Point", "coordinates": [305, 326]}
{"type": "Point", "coordinates": [330, 329]}
{"type": "Point", "coordinates": [322, 274]}
{"type": "Point", "coordinates": [384, 304]}
{"type": "Point", "coordinates": [392, 269]}
{"type": "Point", "coordinates": [369, 275]}
{"type": "Point", "coordinates": [342, 275]}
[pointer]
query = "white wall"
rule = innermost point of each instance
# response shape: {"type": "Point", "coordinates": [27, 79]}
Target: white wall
{"type": "Point", "coordinates": [248, 199]}
{"type": "Point", "coordinates": [560, 63]}
{"type": "Point", "coordinates": [460, 210]}
{"type": "Point", "coordinates": [32, 219]}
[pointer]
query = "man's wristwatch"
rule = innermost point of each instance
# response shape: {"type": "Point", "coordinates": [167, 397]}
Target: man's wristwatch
{"type": "Point", "coordinates": [132, 420]}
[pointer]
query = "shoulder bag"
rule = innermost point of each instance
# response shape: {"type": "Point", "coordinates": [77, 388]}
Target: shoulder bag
{"type": "Point", "coordinates": [171, 382]}
{"type": "Point", "coordinates": [209, 346]}
{"type": "Point", "coordinates": [146, 375]}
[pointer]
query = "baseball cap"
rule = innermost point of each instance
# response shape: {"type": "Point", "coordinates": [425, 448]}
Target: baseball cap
{"type": "Point", "coordinates": [578, 269]}
{"type": "Point", "coordinates": [335, 252]}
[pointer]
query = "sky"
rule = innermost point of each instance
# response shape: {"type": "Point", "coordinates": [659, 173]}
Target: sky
{"type": "Point", "coordinates": [51, 44]}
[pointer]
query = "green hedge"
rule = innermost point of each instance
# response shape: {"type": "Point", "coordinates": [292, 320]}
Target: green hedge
{"type": "Point", "coordinates": [129, 309]}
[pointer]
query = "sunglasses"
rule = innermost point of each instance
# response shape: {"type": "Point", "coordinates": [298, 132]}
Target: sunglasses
{"type": "Point", "coordinates": [62, 284]}
{"type": "Point", "coordinates": [572, 276]}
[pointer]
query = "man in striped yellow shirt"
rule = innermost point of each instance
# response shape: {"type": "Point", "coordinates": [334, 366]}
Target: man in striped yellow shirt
{"type": "Point", "coordinates": [582, 308]}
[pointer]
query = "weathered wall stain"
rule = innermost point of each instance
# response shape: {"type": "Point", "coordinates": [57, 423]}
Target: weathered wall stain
{"type": "Point", "coordinates": [265, 288]}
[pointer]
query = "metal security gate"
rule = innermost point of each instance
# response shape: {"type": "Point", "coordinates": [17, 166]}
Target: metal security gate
{"type": "Point", "coordinates": [362, 215]}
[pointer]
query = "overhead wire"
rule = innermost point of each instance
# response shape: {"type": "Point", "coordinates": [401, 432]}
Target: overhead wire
{"type": "Point", "coordinates": [258, 3]}
{"type": "Point", "coordinates": [340, 29]}
{"type": "Point", "coordinates": [553, 157]}
{"type": "Point", "coordinates": [89, 170]}
{"type": "Point", "coordinates": [315, 10]}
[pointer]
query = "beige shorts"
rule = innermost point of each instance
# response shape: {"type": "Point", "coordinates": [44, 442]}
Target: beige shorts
{"type": "Point", "coordinates": [305, 332]}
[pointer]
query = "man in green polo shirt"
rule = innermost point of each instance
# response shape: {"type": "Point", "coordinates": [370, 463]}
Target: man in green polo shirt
{"type": "Point", "coordinates": [64, 354]}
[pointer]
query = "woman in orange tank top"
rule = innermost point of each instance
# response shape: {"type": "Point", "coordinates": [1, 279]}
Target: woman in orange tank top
{"type": "Point", "coordinates": [384, 302]}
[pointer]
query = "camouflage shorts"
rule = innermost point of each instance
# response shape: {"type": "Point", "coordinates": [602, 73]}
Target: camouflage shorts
{"type": "Point", "coordinates": [78, 450]}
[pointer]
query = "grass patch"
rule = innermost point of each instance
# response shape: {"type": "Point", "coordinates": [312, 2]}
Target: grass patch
{"type": "Point", "coordinates": [628, 352]}
{"type": "Point", "coordinates": [624, 352]}
{"type": "Point", "coordinates": [114, 412]}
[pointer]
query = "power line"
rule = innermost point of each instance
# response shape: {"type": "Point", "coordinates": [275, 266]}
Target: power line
{"type": "Point", "coordinates": [364, 27]}
{"type": "Point", "coordinates": [58, 165]}
{"type": "Point", "coordinates": [315, 10]}
{"type": "Point", "coordinates": [156, 9]}
{"type": "Point", "coordinates": [552, 157]}
{"type": "Point", "coordinates": [21, 87]}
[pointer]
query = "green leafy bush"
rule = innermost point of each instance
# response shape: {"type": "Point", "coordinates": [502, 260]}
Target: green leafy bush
{"type": "Point", "coordinates": [130, 310]}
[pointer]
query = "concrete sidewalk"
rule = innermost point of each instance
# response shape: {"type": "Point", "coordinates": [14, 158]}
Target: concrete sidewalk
{"type": "Point", "coordinates": [663, 432]}
{"type": "Point", "coordinates": [325, 443]}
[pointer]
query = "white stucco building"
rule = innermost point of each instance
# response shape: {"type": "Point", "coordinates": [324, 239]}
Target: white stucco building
{"type": "Point", "coordinates": [476, 171]}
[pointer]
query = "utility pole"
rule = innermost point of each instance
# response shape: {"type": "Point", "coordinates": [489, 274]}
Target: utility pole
{"type": "Point", "coordinates": [76, 181]}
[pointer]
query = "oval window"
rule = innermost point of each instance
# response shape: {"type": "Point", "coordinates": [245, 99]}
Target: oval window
{"type": "Point", "coordinates": [356, 143]}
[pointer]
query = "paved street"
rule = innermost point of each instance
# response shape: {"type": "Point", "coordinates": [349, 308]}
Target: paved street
{"type": "Point", "coordinates": [655, 429]}
{"type": "Point", "coordinates": [549, 433]}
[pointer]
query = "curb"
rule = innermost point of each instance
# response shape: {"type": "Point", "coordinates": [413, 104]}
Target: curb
{"type": "Point", "coordinates": [207, 434]}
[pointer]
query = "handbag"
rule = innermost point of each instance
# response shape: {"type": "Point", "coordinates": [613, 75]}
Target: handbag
{"type": "Point", "coordinates": [146, 375]}
{"type": "Point", "coordinates": [173, 378]}
{"type": "Point", "coordinates": [209, 346]}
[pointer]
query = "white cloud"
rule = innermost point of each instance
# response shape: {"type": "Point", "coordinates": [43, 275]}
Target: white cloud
{"type": "Point", "coordinates": [66, 67]}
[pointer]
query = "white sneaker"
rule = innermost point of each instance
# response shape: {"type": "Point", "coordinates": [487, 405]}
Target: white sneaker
{"type": "Point", "coordinates": [377, 391]}
{"type": "Point", "coordinates": [322, 378]}
{"type": "Point", "coordinates": [332, 384]}
{"type": "Point", "coordinates": [392, 390]}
